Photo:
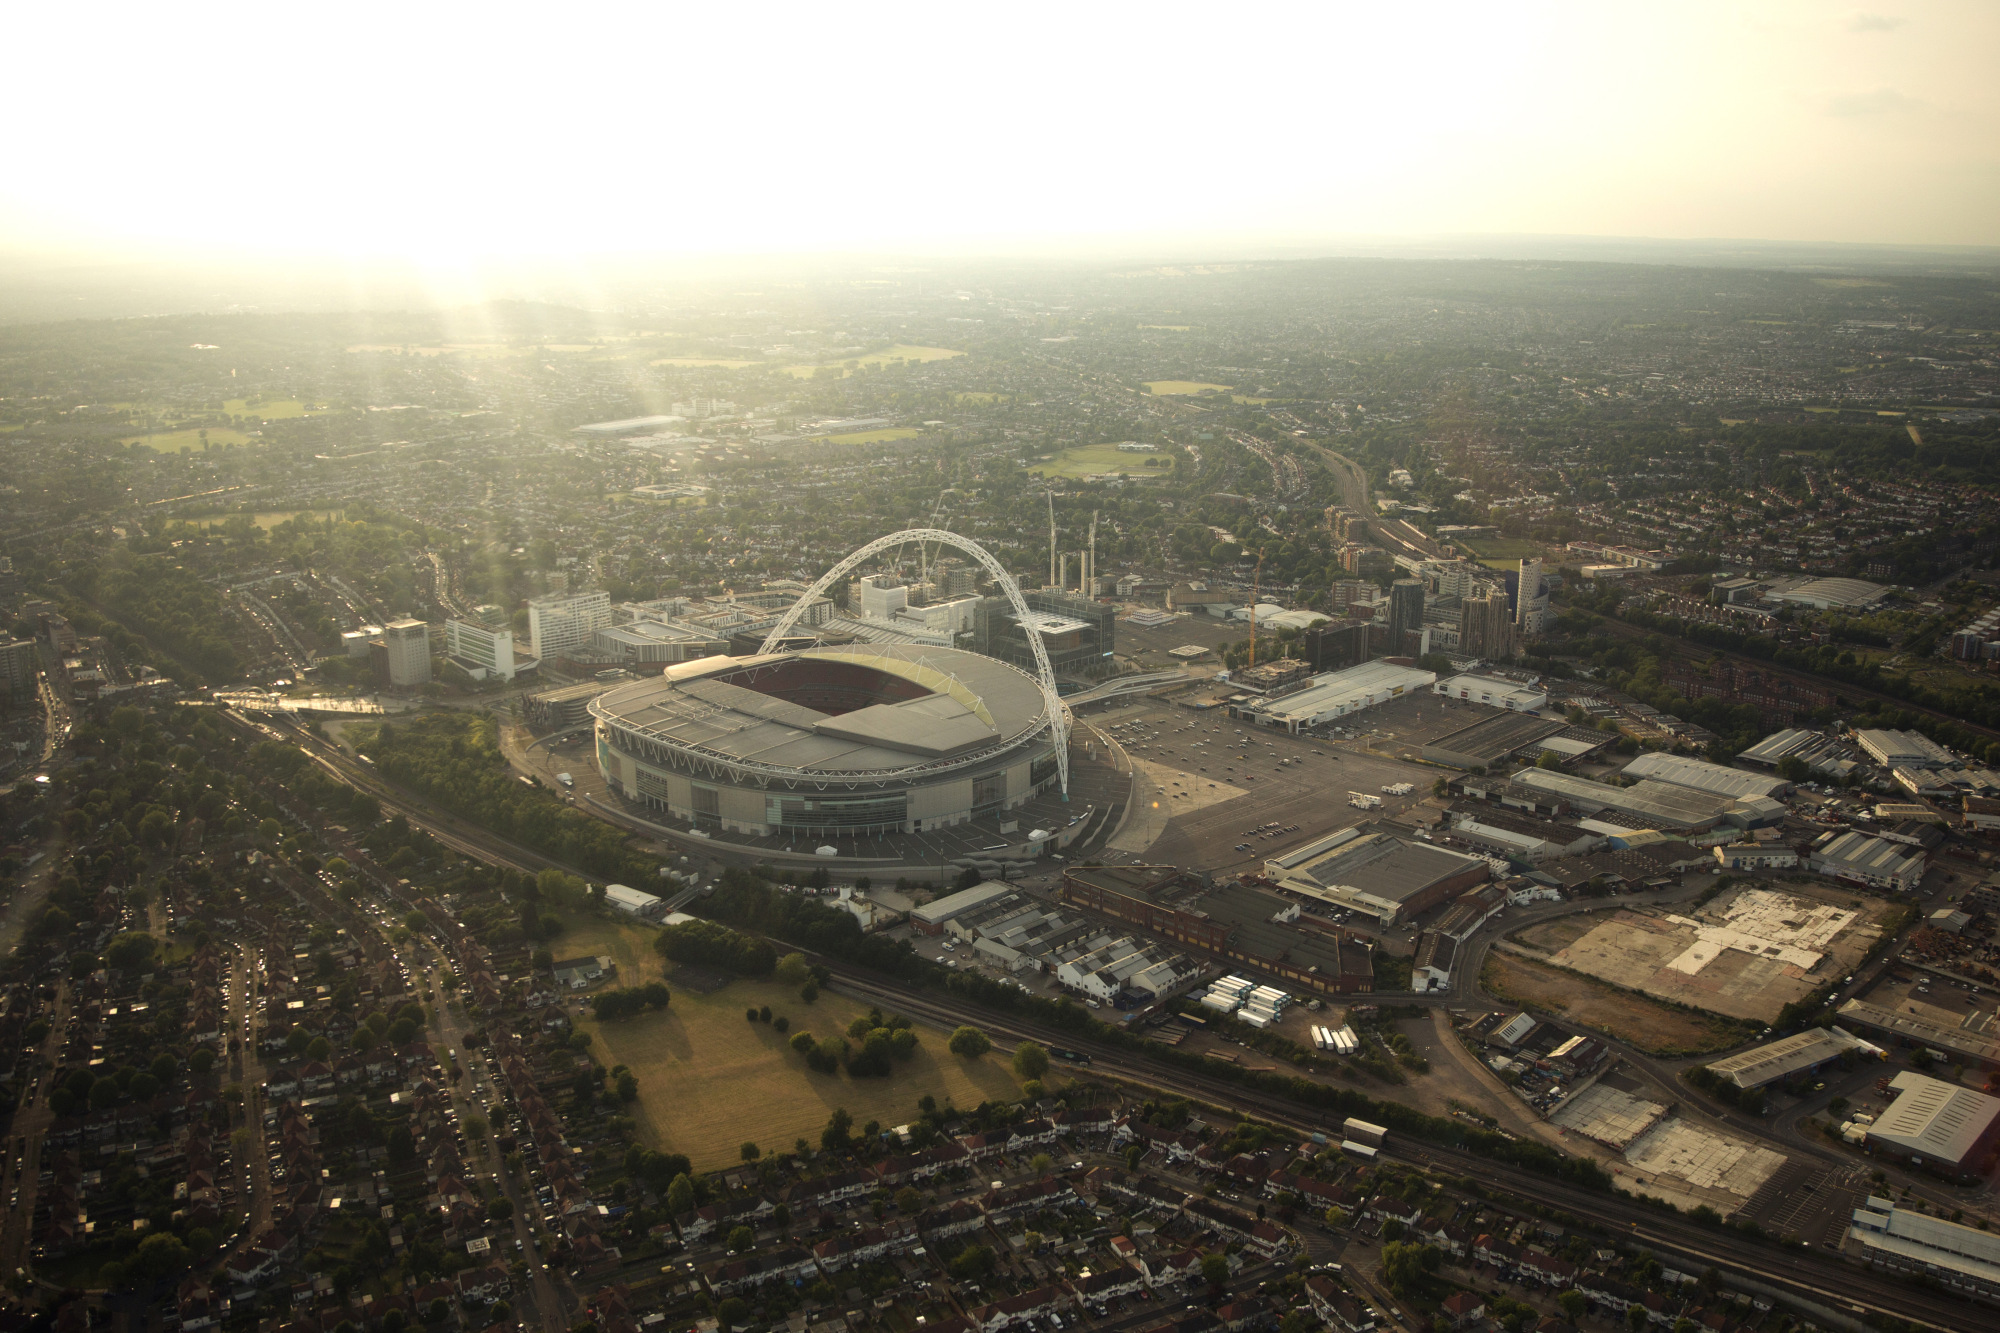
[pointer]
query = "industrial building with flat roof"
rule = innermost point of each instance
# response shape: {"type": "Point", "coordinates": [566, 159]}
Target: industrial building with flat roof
{"type": "Point", "coordinates": [1800, 1053]}
{"type": "Point", "coordinates": [1957, 1258]}
{"type": "Point", "coordinates": [1828, 594]}
{"type": "Point", "coordinates": [1483, 744]}
{"type": "Point", "coordinates": [1336, 694]}
{"type": "Point", "coordinates": [1820, 753]}
{"type": "Point", "coordinates": [1376, 874]}
{"type": "Point", "coordinates": [1660, 804]}
{"type": "Point", "coordinates": [1493, 692]}
{"type": "Point", "coordinates": [1904, 749]}
{"type": "Point", "coordinates": [1955, 1042]}
{"type": "Point", "coordinates": [1238, 923]}
{"type": "Point", "coordinates": [1876, 862]}
{"type": "Point", "coordinates": [1936, 1122]}
{"type": "Point", "coordinates": [1700, 775]}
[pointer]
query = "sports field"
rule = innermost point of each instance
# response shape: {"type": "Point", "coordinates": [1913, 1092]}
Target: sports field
{"type": "Point", "coordinates": [188, 441]}
{"type": "Point", "coordinates": [709, 1079]}
{"type": "Point", "coordinates": [715, 362]}
{"type": "Point", "coordinates": [900, 352]}
{"type": "Point", "coordinates": [1499, 552]}
{"type": "Point", "coordinates": [269, 518]}
{"type": "Point", "coordinates": [1186, 388]}
{"type": "Point", "coordinates": [1095, 458]}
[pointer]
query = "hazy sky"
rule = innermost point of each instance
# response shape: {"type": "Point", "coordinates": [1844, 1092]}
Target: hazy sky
{"type": "Point", "coordinates": [447, 133]}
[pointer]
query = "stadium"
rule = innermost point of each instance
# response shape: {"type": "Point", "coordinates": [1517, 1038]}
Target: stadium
{"type": "Point", "coordinates": [831, 741]}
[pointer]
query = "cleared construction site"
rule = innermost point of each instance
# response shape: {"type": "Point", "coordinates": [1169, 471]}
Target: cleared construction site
{"type": "Point", "coordinates": [1745, 955]}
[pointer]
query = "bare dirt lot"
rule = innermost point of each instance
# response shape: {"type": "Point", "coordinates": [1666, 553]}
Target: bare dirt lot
{"type": "Point", "coordinates": [1747, 954]}
{"type": "Point", "coordinates": [1632, 1019]}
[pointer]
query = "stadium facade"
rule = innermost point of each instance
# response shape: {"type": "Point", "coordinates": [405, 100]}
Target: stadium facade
{"type": "Point", "coordinates": [853, 740]}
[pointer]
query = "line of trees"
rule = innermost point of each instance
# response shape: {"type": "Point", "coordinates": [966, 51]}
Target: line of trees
{"type": "Point", "coordinates": [454, 759]}
{"type": "Point", "coordinates": [628, 1000]}
{"type": "Point", "coordinates": [706, 943]}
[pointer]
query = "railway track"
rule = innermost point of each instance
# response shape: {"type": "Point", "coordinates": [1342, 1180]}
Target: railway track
{"type": "Point", "coordinates": [1810, 1275]}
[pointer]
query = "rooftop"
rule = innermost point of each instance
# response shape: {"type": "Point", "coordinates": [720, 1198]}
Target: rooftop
{"type": "Point", "coordinates": [1703, 776]}
{"type": "Point", "coordinates": [1935, 1119]}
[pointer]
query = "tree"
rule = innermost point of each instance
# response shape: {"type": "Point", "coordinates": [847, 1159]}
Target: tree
{"type": "Point", "coordinates": [969, 1042]}
{"type": "Point", "coordinates": [1636, 1317]}
{"type": "Point", "coordinates": [908, 1200]}
{"type": "Point", "coordinates": [1041, 1163]}
{"type": "Point", "coordinates": [835, 1137]}
{"type": "Point", "coordinates": [1031, 1060]}
{"type": "Point", "coordinates": [680, 1194]}
{"type": "Point", "coordinates": [627, 1087]}
{"type": "Point", "coordinates": [731, 1311]}
{"type": "Point", "coordinates": [132, 951]}
{"type": "Point", "coordinates": [1405, 1265]}
{"type": "Point", "coordinates": [793, 969]}
{"type": "Point", "coordinates": [972, 1263]}
{"type": "Point", "coordinates": [501, 1208]}
{"type": "Point", "coordinates": [1215, 1270]}
{"type": "Point", "coordinates": [161, 1255]}
{"type": "Point", "coordinates": [741, 1239]}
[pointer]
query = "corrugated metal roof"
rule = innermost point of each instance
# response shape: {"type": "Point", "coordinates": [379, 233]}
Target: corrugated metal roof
{"type": "Point", "coordinates": [1702, 776]}
{"type": "Point", "coordinates": [1933, 1118]}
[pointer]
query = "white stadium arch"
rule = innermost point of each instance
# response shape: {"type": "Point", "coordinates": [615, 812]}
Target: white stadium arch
{"type": "Point", "coordinates": [1058, 714]}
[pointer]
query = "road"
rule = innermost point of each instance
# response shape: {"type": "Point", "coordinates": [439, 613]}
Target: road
{"type": "Point", "coordinates": [31, 1127]}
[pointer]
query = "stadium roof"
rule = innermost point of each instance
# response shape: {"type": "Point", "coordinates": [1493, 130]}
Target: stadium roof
{"type": "Point", "coordinates": [1703, 776]}
{"type": "Point", "coordinates": [1781, 1059]}
{"type": "Point", "coordinates": [970, 701]}
{"type": "Point", "coordinates": [1934, 1119]}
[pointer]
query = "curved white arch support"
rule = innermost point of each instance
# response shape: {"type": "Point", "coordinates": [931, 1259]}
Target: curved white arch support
{"type": "Point", "coordinates": [1058, 714]}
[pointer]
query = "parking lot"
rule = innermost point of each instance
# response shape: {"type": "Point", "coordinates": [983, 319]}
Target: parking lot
{"type": "Point", "coordinates": [1231, 795]}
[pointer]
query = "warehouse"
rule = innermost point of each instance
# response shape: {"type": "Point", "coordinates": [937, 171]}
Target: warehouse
{"type": "Point", "coordinates": [1700, 775]}
{"type": "Point", "coordinates": [1801, 1053]}
{"type": "Point", "coordinates": [1659, 804]}
{"type": "Point", "coordinates": [1956, 1258]}
{"type": "Point", "coordinates": [1375, 874]}
{"type": "Point", "coordinates": [634, 902]}
{"type": "Point", "coordinates": [1239, 923]}
{"type": "Point", "coordinates": [1827, 594]}
{"type": "Point", "coordinates": [1337, 694]}
{"type": "Point", "coordinates": [1486, 742]}
{"type": "Point", "coordinates": [932, 917]}
{"type": "Point", "coordinates": [1904, 749]}
{"type": "Point", "coordinates": [1876, 862]}
{"type": "Point", "coordinates": [1937, 1123]}
{"type": "Point", "coordinates": [1494, 693]}
{"type": "Point", "coordinates": [1972, 1046]}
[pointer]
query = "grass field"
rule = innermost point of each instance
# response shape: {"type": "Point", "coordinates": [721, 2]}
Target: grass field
{"type": "Point", "coordinates": [1093, 458]}
{"type": "Point", "coordinates": [444, 349]}
{"type": "Point", "coordinates": [876, 436]}
{"type": "Point", "coordinates": [270, 409]}
{"type": "Point", "coordinates": [709, 1080]}
{"type": "Point", "coordinates": [1658, 1028]}
{"type": "Point", "coordinates": [1170, 388]}
{"type": "Point", "coordinates": [1170, 328]}
{"type": "Point", "coordinates": [271, 518]}
{"type": "Point", "coordinates": [716, 362]}
{"type": "Point", "coordinates": [978, 397]}
{"type": "Point", "coordinates": [1499, 552]}
{"type": "Point", "coordinates": [900, 352]}
{"type": "Point", "coordinates": [187, 441]}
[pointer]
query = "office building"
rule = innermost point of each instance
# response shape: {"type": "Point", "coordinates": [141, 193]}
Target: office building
{"type": "Point", "coordinates": [1078, 634]}
{"type": "Point", "coordinates": [20, 659]}
{"type": "Point", "coordinates": [878, 596]}
{"type": "Point", "coordinates": [1406, 613]}
{"type": "Point", "coordinates": [406, 655]}
{"type": "Point", "coordinates": [557, 624]}
{"type": "Point", "coordinates": [1337, 645]}
{"type": "Point", "coordinates": [480, 650]}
